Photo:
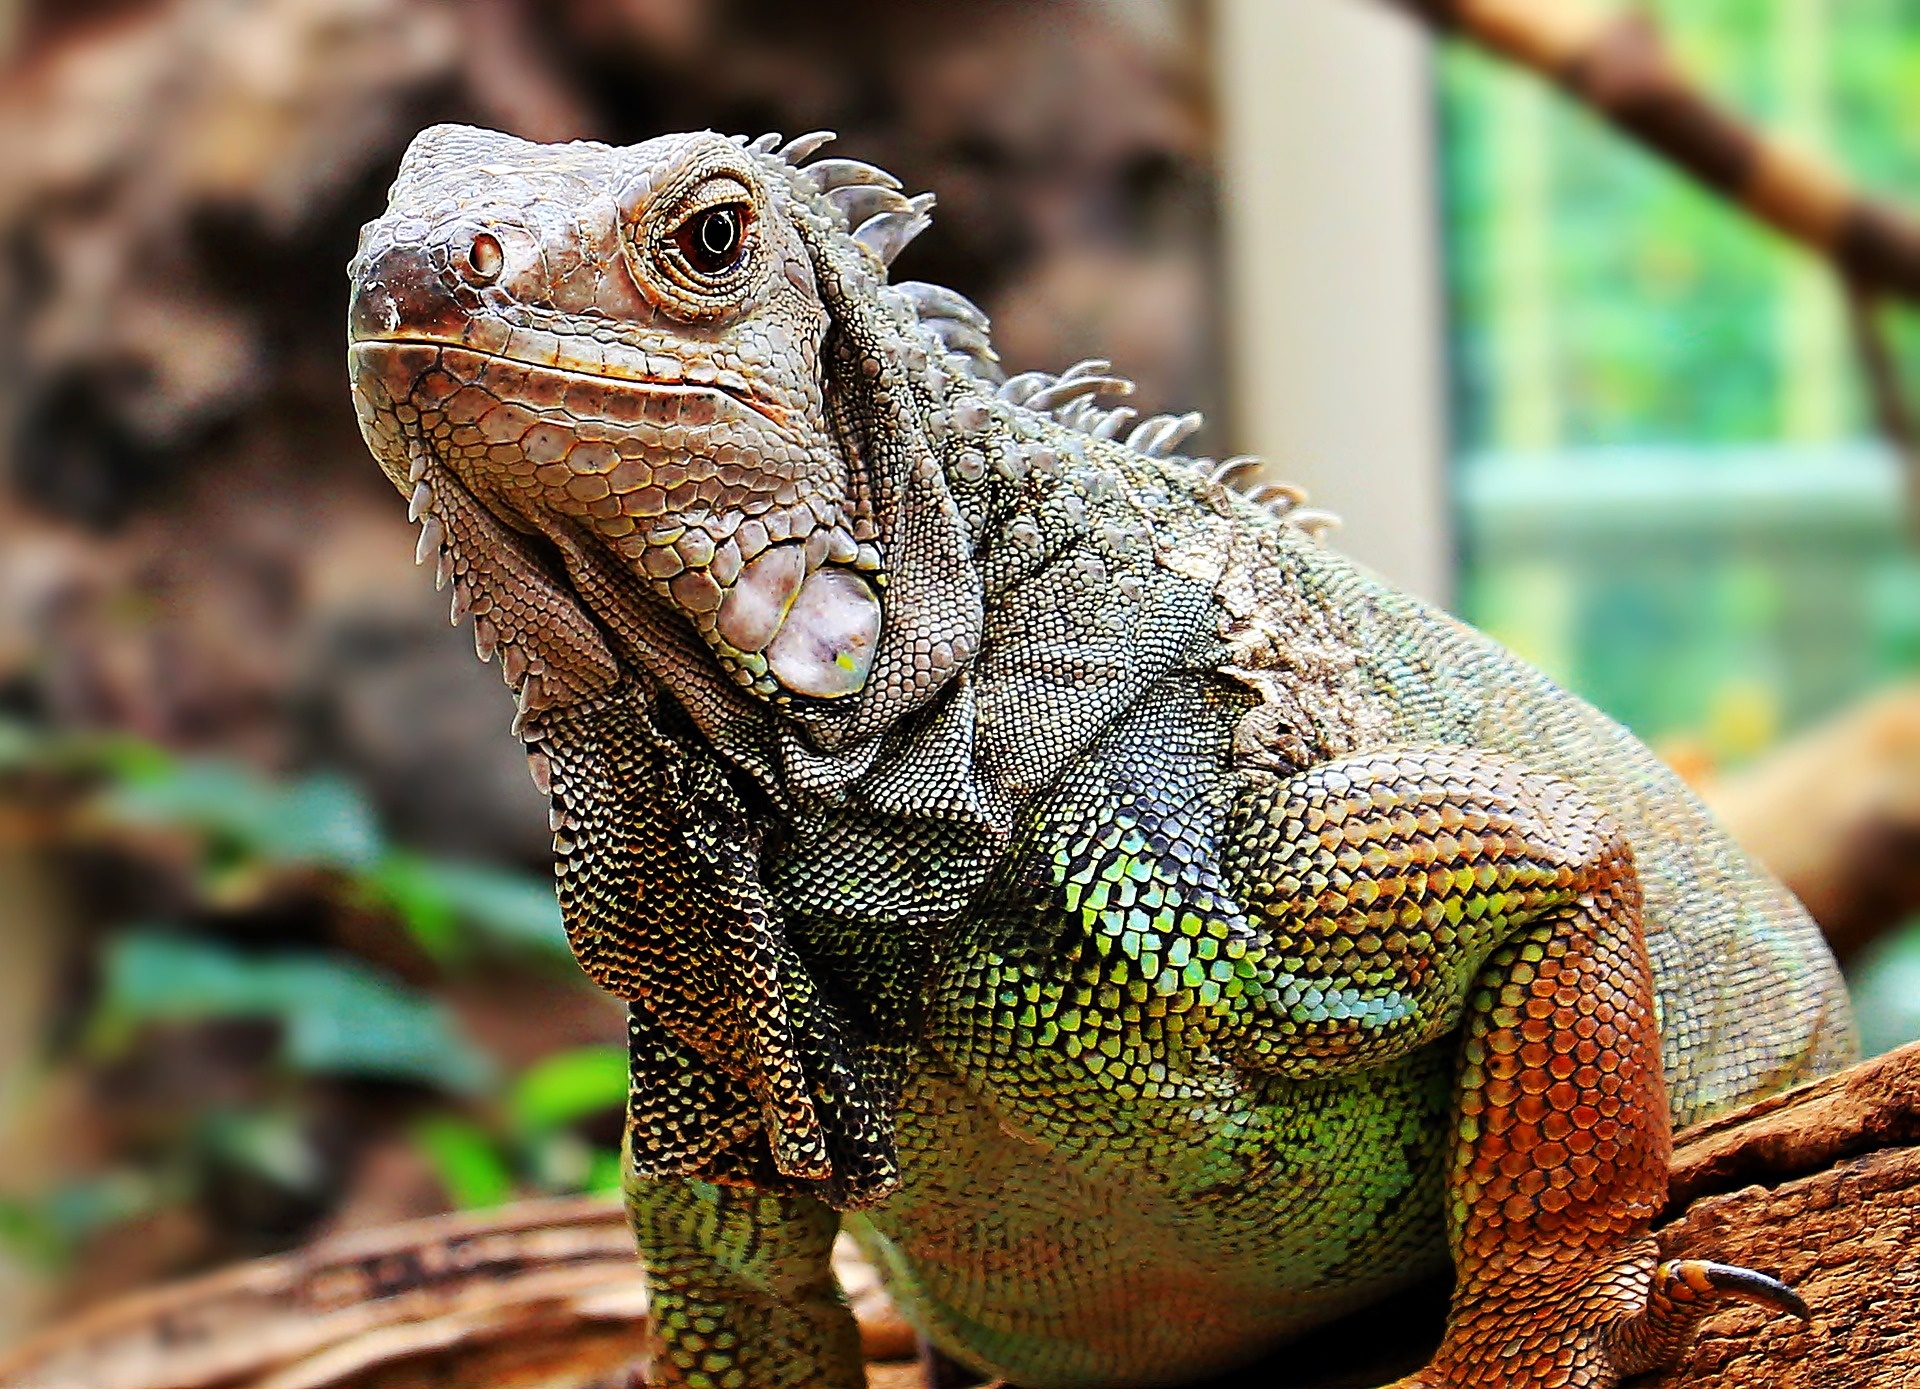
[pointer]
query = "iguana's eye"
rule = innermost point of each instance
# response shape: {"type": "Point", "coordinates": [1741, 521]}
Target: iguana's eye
{"type": "Point", "coordinates": [713, 239]}
{"type": "Point", "coordinates": [692, 246]}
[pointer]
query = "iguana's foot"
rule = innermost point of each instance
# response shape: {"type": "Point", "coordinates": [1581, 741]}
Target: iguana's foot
{"type": "Point", "coordinates": [1634, 1316]}
{"type": "Point", "coordinates": [1560, 1161]}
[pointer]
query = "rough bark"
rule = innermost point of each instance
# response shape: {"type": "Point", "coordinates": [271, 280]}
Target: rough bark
{"type": "Point", "coordinates": [1821, 1186]}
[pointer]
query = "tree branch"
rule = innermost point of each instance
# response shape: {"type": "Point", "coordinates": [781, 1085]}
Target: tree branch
{"type": "Point", "coordinates": [1882, 371]}
{"type": "Point", "coordinates": [1617, 64]}
{"type": "Point", "coordinates": [1820, 1185]}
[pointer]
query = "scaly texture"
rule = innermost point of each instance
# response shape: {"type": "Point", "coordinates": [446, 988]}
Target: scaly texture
{"type": "Point", "coordinates": [1151, 935]}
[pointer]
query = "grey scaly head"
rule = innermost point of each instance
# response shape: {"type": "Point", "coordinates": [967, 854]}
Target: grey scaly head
{"type": "Point", "coordinates": [666, 426]}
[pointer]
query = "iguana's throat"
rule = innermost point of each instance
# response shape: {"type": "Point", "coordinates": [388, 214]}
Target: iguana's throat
{"type": "Point", "coordinates": [741, 1070]}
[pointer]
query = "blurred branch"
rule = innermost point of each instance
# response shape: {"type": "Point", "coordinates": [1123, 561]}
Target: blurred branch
{"type": "Point", "coordinates": [545, 1292]}
{"type": "Point", "coordinates": [554, 1283]}
{"type": "Point", "coordinates": [1819, 1183]}
{"type": "Point", "coordinates": [1836, 814]}
{"type": "Point", "coordinates": [1617, 63]}
{"type": "Point", "coordinates": [1881, 368]}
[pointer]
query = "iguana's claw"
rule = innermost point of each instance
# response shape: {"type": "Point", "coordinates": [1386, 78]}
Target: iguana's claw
{"type": "Point", "coordinates": [1681, 1293]}
{"type": "Point", "coordinates": [1521, 1347]}
{"type": "Point", "coordinates": [1685, 1283]}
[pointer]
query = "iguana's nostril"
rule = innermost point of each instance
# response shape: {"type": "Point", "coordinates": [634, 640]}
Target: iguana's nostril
{"type": "Point", "coordinates": [483, 259]}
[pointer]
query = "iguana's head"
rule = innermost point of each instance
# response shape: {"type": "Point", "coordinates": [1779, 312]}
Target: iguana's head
{"type": "Point", "coordinates": [666, 426]}
{"type": "Point", "coordinates": [636, 383]}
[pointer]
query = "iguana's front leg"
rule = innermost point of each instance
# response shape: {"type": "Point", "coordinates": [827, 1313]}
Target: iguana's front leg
{"type": "Point", "coordinates": [1409, 893]}
{"type": "Point", "coordinates": [741, 1288]}
{"type": "Point", "coordinates": [737, 1071]}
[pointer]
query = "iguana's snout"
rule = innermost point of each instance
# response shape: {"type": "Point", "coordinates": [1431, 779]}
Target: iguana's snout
{"type": "Point", "coordinates": [408, 285]}
{"type": "Point", "coordinates": [620, 349]}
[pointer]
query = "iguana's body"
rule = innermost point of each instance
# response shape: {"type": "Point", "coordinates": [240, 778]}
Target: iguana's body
{"type": "Point", "coordinates": [1024, 839]}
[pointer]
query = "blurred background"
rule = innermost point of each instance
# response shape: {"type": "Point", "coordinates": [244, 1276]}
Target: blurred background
{"type": "Point", "coordinates": [278, 953]}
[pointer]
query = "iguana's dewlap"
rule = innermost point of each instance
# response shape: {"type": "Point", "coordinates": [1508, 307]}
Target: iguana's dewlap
{"type": "Point", "coordinates": [1154, 934]}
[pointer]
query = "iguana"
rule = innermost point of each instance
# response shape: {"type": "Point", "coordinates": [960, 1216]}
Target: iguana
{"type": "Point", "coordinates": [1149, 933]}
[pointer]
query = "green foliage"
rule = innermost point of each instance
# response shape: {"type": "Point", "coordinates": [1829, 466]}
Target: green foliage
{"type": "Point", "coordinates": [1630, 343]}
{"type": "Point", "coordinates": [1886, 991]}
{"type": "Point", "coordinates": [466, 1159]}
{"type": "Point", "coordinates": [437, 898]}
{"type": "Point", "coordinates": [317, 821]}
{"type": "Point", "coordinates": [248, 825]}
{"type": "Point", "coordinates": [337, 1016]}
{"type": "Point", "coordinates": [271, 1142]}
{"type": "Point", "coordinates": [251, 840]}
{"type": "Point", "coordinates": [24, 748]}
{"type": "Point", "coordinates": [567, 1087]}
{"type": "Point", "coordinates": [1603, 298]}
{"type": "Point", "coordinates": [531, 1138]}
{"type": "Point", "coordinates": [44, 1231]}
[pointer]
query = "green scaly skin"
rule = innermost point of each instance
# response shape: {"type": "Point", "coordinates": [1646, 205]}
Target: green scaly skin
{"type": "Point", "coordinates": [1151, 935]}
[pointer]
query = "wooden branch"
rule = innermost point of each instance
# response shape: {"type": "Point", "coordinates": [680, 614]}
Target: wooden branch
{"type": "Point", "coordinates": [1835, 813]}
{"type": "Point", "coordinates": [1821, 1186]}
{"type": "Point", "coordinates": [549, 1286]}
{"type": "Point", "coordinates": [1881, 369]}
{"type": "Point", "coordinates": [1616, 63]}
{"type": "Point", "coordinates": [543, 1293]}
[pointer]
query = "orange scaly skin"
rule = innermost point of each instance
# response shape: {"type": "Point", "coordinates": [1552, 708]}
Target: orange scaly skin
{"type": "Point", "coordinates": [1149, 934]}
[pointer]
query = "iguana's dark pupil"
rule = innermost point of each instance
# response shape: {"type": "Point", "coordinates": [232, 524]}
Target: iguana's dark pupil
{"type": "Point", "coordinates": [713, 240]}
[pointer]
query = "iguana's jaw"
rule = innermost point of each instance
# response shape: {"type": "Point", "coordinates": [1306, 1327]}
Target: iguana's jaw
{"type": "Point", "coordinates": [506, 356]}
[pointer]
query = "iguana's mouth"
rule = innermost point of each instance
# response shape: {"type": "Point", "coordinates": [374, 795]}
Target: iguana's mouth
{"type": "Point", "coordinates": [665, 477]}
{"type": "Point", "coordinates": [609, 380]}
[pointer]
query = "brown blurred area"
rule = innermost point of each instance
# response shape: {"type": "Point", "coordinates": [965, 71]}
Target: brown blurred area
{"type": "Point", "coordinates": [195, 549]}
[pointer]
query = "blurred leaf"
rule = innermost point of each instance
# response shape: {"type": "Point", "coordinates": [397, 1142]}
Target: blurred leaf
{"type": "Point", "coordinates": [1886, 991]}
{"type": "Point", "coordinates": [406, 885]}
{"type": "Point", "coordinates": [606, 1172]}
{"type": "Point", "coordinates": [515, 910]}
{"type": "Point", "coordinates": [317, 821]}
{"type": "Point", "coordinates": [338, 1016]}
{"type": "Point", "coordinates": [323, 819]}
{"type": "Point", "coordinates": [570, 1085]}
{"type": "Point", "coordinates": [271, 1143]}
{"type": "Point", "coordinates": [465, 1160]}
{"type": "Point", "coordinates": [23, 746]}
{"type": "Point", "coordinates": [20, 745]}
{"type": "Point", "coordinates": [562, 1162]}
{"type": "Point", "coordinates": [27, 1234]}
{"type": "Point", "coordinates": [46, 1229]}
{"type": "Point", "coordinates": [126, 757]}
